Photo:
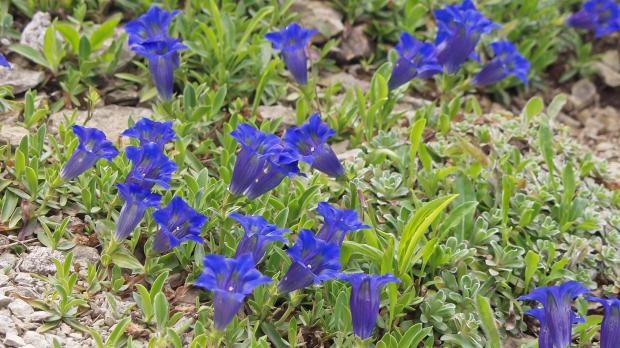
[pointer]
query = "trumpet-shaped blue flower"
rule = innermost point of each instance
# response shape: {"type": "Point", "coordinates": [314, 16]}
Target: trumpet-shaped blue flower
{"type": "Point", "coordinates": [556, 317]}
{"type": "Point", "coordinates": [151, 26]}
{"type": "Point", "coordinates": [366, 299]}
{"type": "Point", "coordinates": [258, 235]}
{"type": "Point", "coordinates": [150, 166]}
{"type": "Point", "coordinates": [507, 61]}
{"type": "Point", "coordinates": [600, 16]}
{"type": "Point", "coordinates": [416, 59]}
{"type": "Point", "coordinates": [163, 57]}
{"type": "Point", "coordinates": [262, 163]}
{"type": "Point", "coordinates": [92, 146]}
{"type": "Point", "coordinates": [178, 222]}
{"type": "Point", "coordinates": [337, 223]}
{"type": "Point", "coordinates": [310, 142]}
{"type": "Point", "coordinates": [314, 261]}
{"type": "Point", "coordinates": [137, 200]}
{"type": "Point", "coordinates": [4, 62]}
{"type": "Point", "coordinates": [610, 327]}
{"type": "Point", "coordinates": [231, 281]}
{"type": "Point", "coordinates": [460, 29]}
{"type": "Point", "coordinates": [292, 42]}
{"type": "Point", "coordinates": [149, 131]}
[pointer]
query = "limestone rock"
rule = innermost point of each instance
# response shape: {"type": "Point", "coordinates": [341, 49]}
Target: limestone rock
{"type": "Point", "coordinates": [583, 93]}
{"type": "Point", "coordinates": [33, 34]}
{"type": "Point", "coordinates": [273, 112]}
{"type": "Point", "coordinates": [20, 79]}
{"type": "Point", "coordinates": [111, 119]}
{"type": "Point", "coordinates": [319, 15]}
{"type": "Point", "coordinates": [12, 135]}
{"type": "Point", "coordinates": [20, 309]}
{"type": "Point", "coordinates": [39, 260]}
{"type": "Point", "coordinates": [355, 44]}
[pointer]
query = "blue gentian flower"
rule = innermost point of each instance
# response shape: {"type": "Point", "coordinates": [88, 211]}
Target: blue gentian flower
{"type": "Point", "coordinates": [163, 56]}
{"type": "Point", "coordinates": [460, 29]}
{"type": "Point", "coordinates": [314, 261]}
{"type": "Point", "coordinates": [292, 42]}
{"type": "Point", "coordinates": [556, 316]}
{"type": "Point", "coordinates": [258, 235]}
{"type": "Point", "coordinates": [178, 222]}
{"type": "Point", "coordinates": [231, 280]}
{"type": "Point", "coordinates": [600, 16]}
{"type": "Point", "coordinates": [366, 300]}
{"type": "Point", "coordinates": [310, 142]}
{"type": "Point", "coordinates": [151, 26]}
{"type": "Point", "coordinates": [415, 59]}
{"type": "Point", "coordinates": [337, 223]}
{"type": "Point", "coordinates": [507, 61]}
{"type": "Point", "coordinates": [149, 131]}
{"type": "Point", "coordinates": [92, 146]}
{"type": "Point", "coordinates": [4, 62]}
{"type": "Point", "coordinates": [262, 163]}
{"type": "Point", "coordinates": [610, 327]}
{"type": "Point", "coordinates": [150, 166]}
{"type": "Point", "coordinates": [137, 200]}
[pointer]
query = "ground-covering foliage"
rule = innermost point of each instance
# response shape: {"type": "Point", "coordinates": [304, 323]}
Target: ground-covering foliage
{"type": "Point", "coordinates": [397, 210]}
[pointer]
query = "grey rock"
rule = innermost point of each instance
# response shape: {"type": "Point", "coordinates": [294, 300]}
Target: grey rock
{"type": "Point", "coordinates": [85, 255]}
{"type": "Point", "coordinates": [21, 79]}
{"type": "Point", "coordinates": [348, 81]}
{"type": "Point", "coordinates": [273, 112]}
{"type": "Point", "coordinates": [609, 68]}
{"type": "Point", "coordinates": [13, 340]}
{"type": "Point", "coordinates": [319, 15]}
{"type": "Point", "coordinates": [583, 93]}
{"type": "Point", "coordinates": [39, 260]}
{"type": "Point", "coordinates": [7, 260]}
{"type": "Point", "coordinates": [24, 279]}
{"type": "Point", "coordinates": [4, 301]}
{"type": "Point", "coordinates": [355, 44]}
{"type": "Point", "coordinates": [20, 309]}
{"type": "Point", "coordinates": [6, 325]}
{"type": "Point", "coordinates": [4, 279]}
{"type": "Point", "coordinates": [350, 155]}
{"type": "Point", "coordinates": [33, 34]}
{"type": "Point", "coordinates": [111, 119]}
{"type": "Point", "coordinates": [39, 316]}
{"type": "Point", "coordinates": [35, 338]}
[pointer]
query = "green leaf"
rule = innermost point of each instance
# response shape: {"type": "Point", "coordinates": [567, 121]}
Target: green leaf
{"type": "Point", "coordinates": [414, 336]}
{"type": "Point", "coordinates": [531, 265]}
{"type": "Point", "coordinates": [123, 259]}
{"type": "Point", "coordinates": [85, 49]}
{"type": "Point", "coordinates": [32, 181]}
{"type": "Point", "coordinates": [488, 321]}
{"type": "Point", "coordinates": [415, 228]}
{"type": "Point", "coordinates": [556, 105]}
{"type": "Point", "coordinates": [534, 107]}
{"type": "Point", "coordinates": [161, 310]}
{"type": "Point", "coordinates": [104, 31]}
{"type": "Point", "coordinates": [31, 54]}
{"type": "Point", "coordinates": [545, 139]}
{"type": "Point", "coordinates": [69, 34]}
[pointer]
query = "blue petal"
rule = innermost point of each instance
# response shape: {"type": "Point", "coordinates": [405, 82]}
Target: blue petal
{"type": "Point", "coordinates": [4, 62]}
{"type": "Point", "coordinates": [92, 146]}
{"type": "Point", "coordinates": [366, 300]}
{"type": "Point", "coordinates": [337, 223]}
{"type": "Point", "coordinates": [149, 131]}
{"type": "Point", "coordinates": [153, 25]}
{"type": "Point", "coordinates": [314, 261]}
{"type": "Point", "coordinates": [137, 200]}
{"type": "Point", "coordinates": [178, 223]}
{"type": "Point", "coordinates": [151, 166]}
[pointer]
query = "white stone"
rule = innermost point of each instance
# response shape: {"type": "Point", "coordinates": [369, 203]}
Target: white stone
{"type": "Point", "coordinates": [110, 119]}
{"type": "Point", "coordinates": [13, 340]}
{"type": "Point", "coordinates": [12, 135]}
{"type": "Point", "coordinates": [40, 260]}
{"type": "Point", "coordinates": [33, 34]}
{"type": "Point", "coordinates": [35, 338]}
{"type": "Point", "coordinates": [20, 309]}
{"type": "Point", "coordinates": [319, 15]}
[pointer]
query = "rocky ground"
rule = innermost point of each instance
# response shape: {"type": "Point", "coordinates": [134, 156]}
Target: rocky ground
{"type": "Point", "coordinates": [592, 112]}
